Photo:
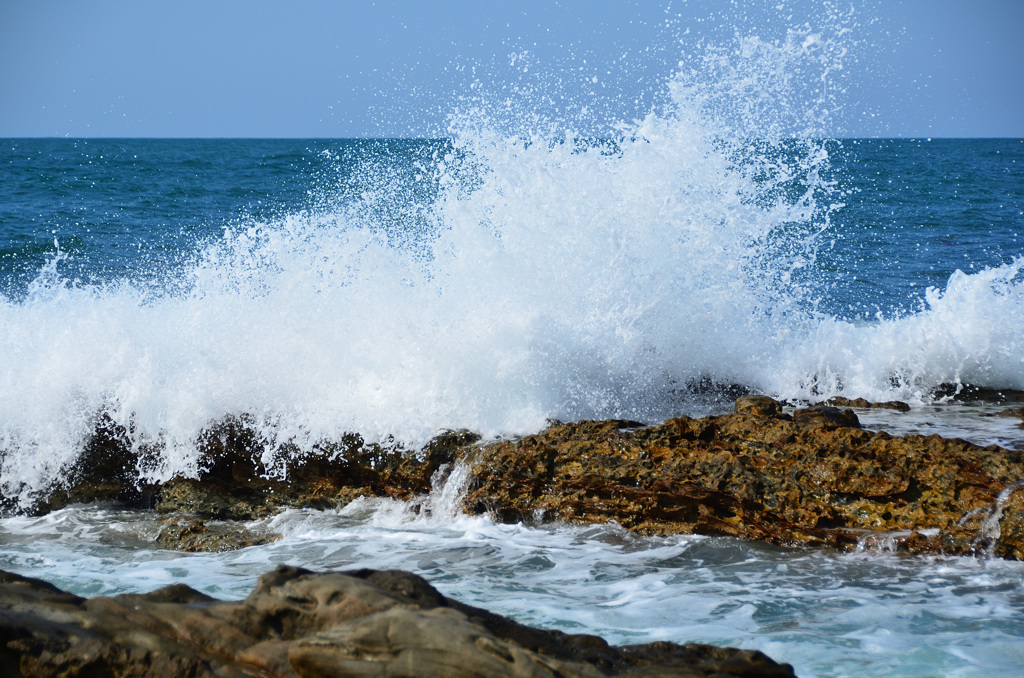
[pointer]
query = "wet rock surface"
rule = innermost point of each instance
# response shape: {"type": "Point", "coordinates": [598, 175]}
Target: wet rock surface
{"type": "Point", "coordinates": [811, 477]}
{"type": "Point", "coordinates": [192, 535]}
{"type": "Point", "coordinates": [1013, 412]}
{"type": "Point", "coordinates": [300, 623]}
{"type": "Point", "coordinates": [897, 405]}
{"type": "Point", "coordinates": [235, 484]}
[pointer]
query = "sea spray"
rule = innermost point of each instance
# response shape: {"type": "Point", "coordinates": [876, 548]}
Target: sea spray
{"type": "Point", "coordinates": [970, 333]}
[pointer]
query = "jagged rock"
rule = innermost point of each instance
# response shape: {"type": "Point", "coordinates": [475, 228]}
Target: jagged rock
{"type": "Point", "coordinates": [237, 486]}
{"type": "Point", "coordinates": [106, 470]}
{"type": "Point", "coordinates": [298, 623]}
{"type": "Point", "coordinates": [758, 405]}
{"type": "Point", "coordinates": [810, 479]}
{"type": "Point", "coordinates": [840, 401]}
{"type": "Point", "coordinates": [826, 416]}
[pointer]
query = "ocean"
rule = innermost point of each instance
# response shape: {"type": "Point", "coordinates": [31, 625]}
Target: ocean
{"type": "Point", "coordinates": [495, 280]}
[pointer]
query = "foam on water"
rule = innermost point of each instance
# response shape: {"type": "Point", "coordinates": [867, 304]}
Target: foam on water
{"type": "Point", "coordinates": [968, 333]}
{"type": "Point", "coordinates": [518, 274]}
{"type": "Point", "coordinates": [827, 614]}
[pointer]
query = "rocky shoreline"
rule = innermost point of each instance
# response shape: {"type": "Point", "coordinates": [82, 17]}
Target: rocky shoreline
{"type": "Point", "coordinates": [812, 477]}
{"type": "Point", "coordinates": [809, 477]}
{"type": "Point", "coordinates": [300, 623]}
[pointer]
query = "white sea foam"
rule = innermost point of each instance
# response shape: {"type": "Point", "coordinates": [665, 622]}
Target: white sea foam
{"type": "Point", "coordinates": [534, 277]}
{"type": "Point", "coordinates": [827, 614]}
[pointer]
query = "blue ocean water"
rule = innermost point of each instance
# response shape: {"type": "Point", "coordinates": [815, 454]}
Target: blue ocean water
{"type": "Point", "coordinates": [916, 211]}
{"type": "Point", "coordinates": [141, 209]}
{"type": "Point", "coordinates": [913, 210]}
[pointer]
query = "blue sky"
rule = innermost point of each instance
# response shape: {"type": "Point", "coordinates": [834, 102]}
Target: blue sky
{"type": "Point", "coordinates": [314, 68]}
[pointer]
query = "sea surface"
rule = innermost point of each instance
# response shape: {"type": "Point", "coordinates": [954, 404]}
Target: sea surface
{"type": "Point", "coordinates": [496, 278]}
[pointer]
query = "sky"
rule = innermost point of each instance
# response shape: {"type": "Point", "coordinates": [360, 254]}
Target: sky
{"type": "Point", "coordinates": [318, 68]}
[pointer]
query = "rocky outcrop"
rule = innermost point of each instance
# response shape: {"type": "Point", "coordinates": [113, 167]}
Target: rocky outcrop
{"type": "Point", "coordinates": [235, 484]}
{"type": "Point", "coordinates": [191, 534]}
{"type": "Point", "coordinates": [840, 401]}
{"type": "Point", "coordinates": [810, 478]}
{"type": "Point", "coordinates": [299, 623]}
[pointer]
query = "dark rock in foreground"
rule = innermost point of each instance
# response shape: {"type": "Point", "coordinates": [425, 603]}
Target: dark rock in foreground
{"type": "Point", "coordinates": [298, 623]}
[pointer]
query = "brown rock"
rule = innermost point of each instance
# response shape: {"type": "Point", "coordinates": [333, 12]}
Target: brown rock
{"type": "Point", "coordinates": [840, 401]}
{"type": "Point", "coordinates": [812, 479]}
{"type": "Point", "coordinates": [190, 534]}
{"type": "Point", "coordinates": [298, 623]}
{"type": "Point", "coordinates": [236, 485]}
{"type": "Point", "coordinates": [826, 416]}
{"type": "Point", "coordinates": [1013, 412]}
{"type": "Point", "coordinates": [105, 470]}
{"type": "Point", "coordinates": [758, 405]}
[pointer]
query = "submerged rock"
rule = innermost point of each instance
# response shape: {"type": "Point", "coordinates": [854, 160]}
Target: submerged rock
{"type": "Point", "coordinates": [300, 623]}
{"type": "Point", "coordinates": [190, 534]}
{"type": "Point", "coordinates": [1013, 412]}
